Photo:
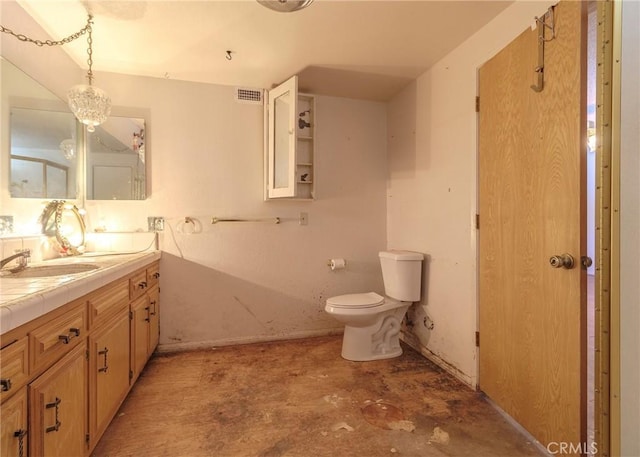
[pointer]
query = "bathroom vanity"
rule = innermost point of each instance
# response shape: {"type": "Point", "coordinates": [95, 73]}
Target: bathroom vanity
{"type": "Point", "coordinates": [71, 348]}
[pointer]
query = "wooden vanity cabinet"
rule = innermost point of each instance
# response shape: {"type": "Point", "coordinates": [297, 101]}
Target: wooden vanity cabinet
{"type": "Point", "coordinates": [13, 425]}
{"type": "Point", "coordinates": [58, 407]}
{"type": "Point", "coordinates": [65, 374]}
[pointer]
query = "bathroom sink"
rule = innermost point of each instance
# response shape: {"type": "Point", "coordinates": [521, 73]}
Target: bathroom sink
{"type": "Point", "coordinates": [41, 271]}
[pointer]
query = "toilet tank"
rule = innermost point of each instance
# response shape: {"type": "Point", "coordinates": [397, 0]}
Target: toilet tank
{"type": "Point", "coordinates": [402, 274]}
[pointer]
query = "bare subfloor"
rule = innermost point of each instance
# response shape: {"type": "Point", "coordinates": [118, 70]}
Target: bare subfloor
{"type": "Point", "coordinates": [300, 398]}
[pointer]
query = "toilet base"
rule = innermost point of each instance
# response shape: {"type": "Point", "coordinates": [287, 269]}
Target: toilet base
{"type": "Point", "coordinates": [380, 341]}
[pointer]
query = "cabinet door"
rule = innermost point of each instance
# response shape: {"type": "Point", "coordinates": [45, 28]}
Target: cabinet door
{"type": "Point", "coordinates": [13, 423]}
{"type": "Point", "coordinates": [139, 334]}
{"type": "Point", "coordinates": [108, 372]}
{"type": "Point", "coordinates": [283, 111]}
{"type": "Point", "coordinates": [58, 408]}
{"type": "Point", "coordinates": [154, 319]}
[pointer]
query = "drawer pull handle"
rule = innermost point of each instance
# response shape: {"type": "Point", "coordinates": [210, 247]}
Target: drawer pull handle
{"type": "Point", "coordinates": [142, 284]}
{"type": "Point", "coordinates": [104, 367]}
{"type": "Point", "coordinates": [156, 275]}
{"type": "Point", "coordinates": [6, 384]}
{"type": "Point", "coordinates": [20, 434]}
{"type": "Point", "coordinates": [72, 332]}
{"type": "Point", "coordinates": [56, 405]}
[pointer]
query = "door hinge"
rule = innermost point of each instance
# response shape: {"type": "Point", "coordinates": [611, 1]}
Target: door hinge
{"type": "Point", "coordinates": [477, 339]}
{"type": "Point", "coordinates": [477, 222]}
{"type": "Point", "coordinates": [477, 104]}
{"type": "Point", "coordinates": [130, 375]}
{"type": "Point", "coordinates": [130, 315]}
{"type": "Point", "coordinates": [86, 354]}
{"type": "Point", "coordinates": [87, 438]}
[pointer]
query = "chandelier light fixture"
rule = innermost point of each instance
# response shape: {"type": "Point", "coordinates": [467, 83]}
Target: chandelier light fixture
{"type": "Point", "coordinates": [90, 105]}
{"type": "Point", "coordinates": [68, 148]}
{"type": "Point", "coordinates": [285, 6]}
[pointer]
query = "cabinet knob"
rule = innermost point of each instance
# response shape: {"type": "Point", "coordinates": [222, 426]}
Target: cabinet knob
{"type": "Point", "coordinates": [73, 332]}
{"type": "Point", "coordinates": [104, 367]}
{"type": "Point", "coordinates": [6, 384]}
{"type": "Point", "coordinates": [55, 404]}
{"type": "Point", "coordinates": [20, 434]}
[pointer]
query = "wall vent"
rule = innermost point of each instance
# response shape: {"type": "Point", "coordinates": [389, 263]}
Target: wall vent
{"type": "Point", "coordinates": [246, 95]}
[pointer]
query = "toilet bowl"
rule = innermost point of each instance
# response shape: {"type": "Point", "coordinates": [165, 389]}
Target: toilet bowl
{"type": "Point", "coordinates": [372, 322]}
{"type": "Point", "coordinates": [372, 325]}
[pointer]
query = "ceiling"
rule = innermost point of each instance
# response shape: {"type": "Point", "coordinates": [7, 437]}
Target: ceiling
{"type": "Point", "coordinates": [353, 48]}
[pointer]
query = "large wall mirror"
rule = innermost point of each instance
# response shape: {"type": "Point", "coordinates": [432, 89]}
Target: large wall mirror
{"type": "Point", "coordinates": [43, 158]}
{"type": "Point", "coordinates": [43, 148]}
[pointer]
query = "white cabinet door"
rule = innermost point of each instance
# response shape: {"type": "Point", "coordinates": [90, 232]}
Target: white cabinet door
{"type": "Point", "coordinates": [283, 110]}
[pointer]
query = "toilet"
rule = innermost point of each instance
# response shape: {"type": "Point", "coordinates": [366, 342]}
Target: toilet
{"type": "Point", "coordinates": [372, 322]}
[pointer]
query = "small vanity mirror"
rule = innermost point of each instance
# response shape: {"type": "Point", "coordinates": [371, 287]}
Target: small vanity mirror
{"type": "Point", "coordinates": [116, 167]}
{"type": "Point", "coordinates": [63, 221]}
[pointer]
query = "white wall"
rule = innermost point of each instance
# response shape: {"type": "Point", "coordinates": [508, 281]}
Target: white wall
{"type": "Point", "coordinates": [251, 281]}
{"type": "Point", "coordinates": [630, 231]}
{"type": "Point", "coordinates": [243, 282]}
{"type": "Point", "coordinates": [431, 195]}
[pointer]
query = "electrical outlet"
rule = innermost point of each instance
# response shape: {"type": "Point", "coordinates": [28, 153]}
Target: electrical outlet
{"type": "Point", "coordinates": [6, 224]}
{"type": "Point", "coordinates": [304, 219]}
{"type": "Point", "coordinates": [155, 223]}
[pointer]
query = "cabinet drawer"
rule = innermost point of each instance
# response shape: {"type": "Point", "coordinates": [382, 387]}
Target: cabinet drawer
{"type": "Point", "coordinates": [153, 274]}
{"type": "Point", "coordinates": [107, 301]}
{"type": "Point", "coordinates": [138, 284]}
{"type": "Point", "coordinates": [14, 367]}
{"type": "Point", "coordinates": [52, 340]}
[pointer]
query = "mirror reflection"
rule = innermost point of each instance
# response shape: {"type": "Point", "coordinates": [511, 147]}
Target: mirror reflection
{"type": "Point", "coordinates": [43, 154]}
{"type": "Point", "coordinates": [116, 160]}
{"type": "Point", "coordinates": [43, 147]}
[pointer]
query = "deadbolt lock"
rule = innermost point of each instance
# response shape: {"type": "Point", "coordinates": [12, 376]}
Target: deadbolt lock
{"type": "Point", "coordinates": [562, 261]}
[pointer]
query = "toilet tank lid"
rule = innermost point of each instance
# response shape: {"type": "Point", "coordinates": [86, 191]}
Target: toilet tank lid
{"type": "Point", "coordinates": [401, 255]}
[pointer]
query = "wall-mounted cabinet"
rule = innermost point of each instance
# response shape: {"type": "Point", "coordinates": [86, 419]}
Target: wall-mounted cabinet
{"type": "Point", "coordinates": [290, 151]}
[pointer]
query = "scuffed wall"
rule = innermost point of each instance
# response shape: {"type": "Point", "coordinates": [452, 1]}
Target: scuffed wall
{"type": "Point", "coordinates": [431, 193]}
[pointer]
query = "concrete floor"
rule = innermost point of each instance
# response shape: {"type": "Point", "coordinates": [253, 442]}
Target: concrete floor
{"type": "Point", "coordinates": [300, 398]}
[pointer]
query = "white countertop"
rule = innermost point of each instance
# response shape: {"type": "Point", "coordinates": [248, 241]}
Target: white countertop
{"type": "Point", "coordinates": [24, 299]}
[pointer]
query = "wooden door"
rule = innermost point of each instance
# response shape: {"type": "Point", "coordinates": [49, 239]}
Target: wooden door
{"type": "Point", "coordinates": [109, 372]}
{"type": "Point", "coordinates": [154, 319]}
{"type": "Point", "coordinates": [139, 335]}
{"type": "Point", "coordinates": [58, 408]}
{"type": "Point", "coordinates": [532, 148]}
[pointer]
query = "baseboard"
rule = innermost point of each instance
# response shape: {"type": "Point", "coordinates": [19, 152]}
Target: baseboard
{"type": "Point", "coordinates": [446, 366]}
{"type": "Point", "coordinates": [191, 346]}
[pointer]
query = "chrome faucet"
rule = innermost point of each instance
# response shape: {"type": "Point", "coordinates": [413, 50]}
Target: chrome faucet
{"type": "Point", "coordinates": [22, 255]}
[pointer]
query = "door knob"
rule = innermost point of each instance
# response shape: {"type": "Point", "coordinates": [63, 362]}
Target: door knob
{"type": "Point", "coordinates": [562, 261]}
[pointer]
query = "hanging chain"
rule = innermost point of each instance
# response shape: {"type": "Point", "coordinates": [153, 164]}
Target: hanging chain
{"type": "Point", "coordinates": [90, 48]}
{"type": "Point", "coordinates": [69, 39]}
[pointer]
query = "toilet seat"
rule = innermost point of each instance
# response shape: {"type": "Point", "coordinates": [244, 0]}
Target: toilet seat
{"type": "Point", "coordinates": [364, 300]}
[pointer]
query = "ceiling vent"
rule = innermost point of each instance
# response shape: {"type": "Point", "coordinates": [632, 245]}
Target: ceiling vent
{"type": "Point", "coordinates": [252, 96]}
